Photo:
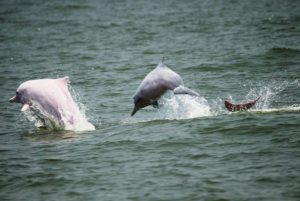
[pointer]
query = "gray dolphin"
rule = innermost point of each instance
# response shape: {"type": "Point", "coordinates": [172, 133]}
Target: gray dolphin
{"type": "Point", "coordinates": [155, 84]}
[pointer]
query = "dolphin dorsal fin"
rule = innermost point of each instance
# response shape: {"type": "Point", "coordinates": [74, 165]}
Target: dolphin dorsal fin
{"type": "Point", "coordinates": [64, 80]}
{"type": "Point", "coordinates": [161, 63]}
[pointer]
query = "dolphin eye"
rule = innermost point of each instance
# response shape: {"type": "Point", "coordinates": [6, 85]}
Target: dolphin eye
{"type": "Point", "coordinates": [136, 100]}
{"type": "Point", "coordinates": [17, 93]}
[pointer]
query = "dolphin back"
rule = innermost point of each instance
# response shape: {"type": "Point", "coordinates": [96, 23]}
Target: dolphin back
{"type": "Point", "coordinates": [157, 82]}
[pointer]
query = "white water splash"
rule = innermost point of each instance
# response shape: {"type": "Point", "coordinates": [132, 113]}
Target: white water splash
{"type": "Point", "coordinates": [183, 107]}
{"type": "Point", "coordinates": [268, 93]}
{"type": "Point", "coordinates": [175, 107]}
{"type": "Point", "coordinates": [217, 106]}
{"type": "Point", "coordinates": [80, 122]}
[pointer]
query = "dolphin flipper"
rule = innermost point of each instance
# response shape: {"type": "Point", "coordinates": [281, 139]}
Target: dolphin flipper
{"type": "Point", "coordinates": [185, 90]}
{"type": "Point", "coordinates": [25, 107]}
{"type": "Point", "coordinates": [155, 104]}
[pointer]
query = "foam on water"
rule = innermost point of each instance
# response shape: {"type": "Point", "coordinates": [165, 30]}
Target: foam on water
{"type": "Point", "coordinates": [268, 92]}
{"type": "Point", "coordinates": [292, 108]}
{"type": "Point", "coordinates": [81, 122]}
{"type": "Point", "coordinates": [183, 107]}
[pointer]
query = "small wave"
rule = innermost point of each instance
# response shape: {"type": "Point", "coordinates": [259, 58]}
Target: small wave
{"type": "Point", "coordinates": [285, 50]}
{"type": "Point", "coordinates": [49, 135]}
{"type": "Point", "coordinates": [75, 6]}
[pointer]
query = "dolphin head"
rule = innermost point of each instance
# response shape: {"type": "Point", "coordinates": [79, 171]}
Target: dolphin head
{"type": "Point", "coordinates": [15, 99]}
{"type": "Point", "coordinates": [139, 103]}
{"type": "Point", "coordinates": [23, 97]}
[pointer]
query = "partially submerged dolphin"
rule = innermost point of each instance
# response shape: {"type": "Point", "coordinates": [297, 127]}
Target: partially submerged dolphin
{"type": "Point", "coordinates": [239, 107]}
{"type": "Point", "coordinates": [50, 100]}
{"type": "Point", "coordinates": [155, 84]}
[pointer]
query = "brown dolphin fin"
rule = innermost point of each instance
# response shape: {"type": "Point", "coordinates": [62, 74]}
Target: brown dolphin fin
{"type": "Point", "coordinates": [239, 107]}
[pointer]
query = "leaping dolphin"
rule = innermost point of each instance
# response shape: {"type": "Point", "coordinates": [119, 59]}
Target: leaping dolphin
{"type": "Point", "coordinates": [155, 84]}
{"type": "Point", "coordinates": [239, 107]}
{"type": "Point", "coordinates": [51, 99]}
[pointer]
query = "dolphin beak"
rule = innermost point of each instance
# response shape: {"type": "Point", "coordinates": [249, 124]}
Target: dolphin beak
{"type": "Point", "coordinates": [13, 99]}
{"type": "Point", "coordinates": [135, 109]}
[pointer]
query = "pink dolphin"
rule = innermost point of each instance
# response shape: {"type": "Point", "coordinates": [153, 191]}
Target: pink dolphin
{"type": "Point", "coordinates": [49, 98]}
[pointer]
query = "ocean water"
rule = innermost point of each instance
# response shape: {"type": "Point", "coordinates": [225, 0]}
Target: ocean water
{"type": "Point", "coordinates": [191, 148]}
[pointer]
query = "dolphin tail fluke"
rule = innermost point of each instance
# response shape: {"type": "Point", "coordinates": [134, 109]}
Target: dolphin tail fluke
{"type": "Point", "coordinates": [239, 107]}
{"type": "Point", "coordinates": [185, 90]}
